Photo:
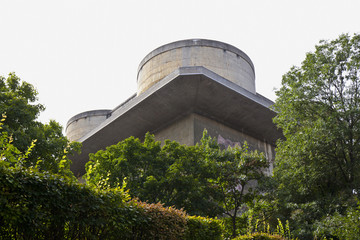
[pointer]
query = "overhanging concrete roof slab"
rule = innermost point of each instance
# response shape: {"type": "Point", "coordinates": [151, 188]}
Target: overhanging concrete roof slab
{"type": "Point", "coordinates": [187, 90]}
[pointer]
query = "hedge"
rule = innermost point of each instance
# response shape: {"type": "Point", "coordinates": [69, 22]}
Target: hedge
{"type": "Point", "coordinates": [37, 205]}
{"type": "Point", "coordinates": [201, 228]}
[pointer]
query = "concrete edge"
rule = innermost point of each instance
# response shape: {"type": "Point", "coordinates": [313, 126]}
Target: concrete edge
{"type": "Point", "coordinates": [91, 113]}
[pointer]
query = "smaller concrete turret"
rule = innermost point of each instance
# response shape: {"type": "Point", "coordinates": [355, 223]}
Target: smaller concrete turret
{"type": "Point", "coordinates": [82, 123]}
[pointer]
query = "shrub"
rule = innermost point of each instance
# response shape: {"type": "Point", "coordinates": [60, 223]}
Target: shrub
{"type": "Point", "coordinates": [164, 222]}
{"type": "Point", "coordinates": [37, 205]}
{"type": "Point", "coordinates": [201, 228]}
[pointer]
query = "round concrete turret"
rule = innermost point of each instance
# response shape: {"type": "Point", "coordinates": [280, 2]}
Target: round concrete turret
{"type": "Point", "coordinates": [82, 123]}
{"type": "Point", "coordinates": [225, 60]}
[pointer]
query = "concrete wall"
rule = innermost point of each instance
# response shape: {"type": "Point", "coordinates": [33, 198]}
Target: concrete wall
{"type": "Point", "coordinates": [223, 59]}
{"type": "Point", "coordinates": [181, 130]}
{"type": "Point", "coordinates": [81, 124]}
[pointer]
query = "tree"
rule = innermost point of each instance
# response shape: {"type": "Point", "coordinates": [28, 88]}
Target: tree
{"type": "Point", "coordinates": [18, 100]}
{"type": "Point", "coordinates": [317, 165]}
{"type": "Point", "coordinates": [188, 180]}
{"type": "Point", "coordinates": [130, 159]}
{"type": "Point", "coordinates": [174, 174]}
{"type": "Point", "coordinates": [239, 171]}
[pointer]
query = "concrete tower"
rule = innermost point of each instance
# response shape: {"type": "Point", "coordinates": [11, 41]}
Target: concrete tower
{"type": "Point", "coordinates": [183, 88]}
{"type": "Point", "coordinates": [220, 58]}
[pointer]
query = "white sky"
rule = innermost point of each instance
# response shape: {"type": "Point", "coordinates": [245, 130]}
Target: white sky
{"type": "Point", "coordinates": [83, 54]}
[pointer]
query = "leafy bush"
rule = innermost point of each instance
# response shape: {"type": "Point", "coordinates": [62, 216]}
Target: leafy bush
{"type": "Point", "coordinates": [201, 228]}
{"type": "Point", "coordinates": [43, 206]}
{"type": "Point", "coordinates": [165, 222]}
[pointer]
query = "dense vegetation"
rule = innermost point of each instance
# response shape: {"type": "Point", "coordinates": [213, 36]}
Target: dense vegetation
{"type": "Point", "coordinates": [36, 205]}
{"type": "Point", "coordinates": [202, 179]}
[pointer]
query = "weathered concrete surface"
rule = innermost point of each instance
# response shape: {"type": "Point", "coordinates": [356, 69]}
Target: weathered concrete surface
{"type": "Point", "coordinates": [82, 123]}
{"type": "Point", "coordinates": [221, 58]}
{"type": "Point", "coordinates": [180, 130]}
{"type": "Point", "coordinates": [183, 92]}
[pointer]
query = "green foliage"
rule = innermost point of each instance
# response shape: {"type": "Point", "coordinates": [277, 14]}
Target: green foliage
{"type": "Point", "coordinates": [201, 228]}
{"type": "Point", "coordinates": [43, 200]}
{"type": "Point", "coordinates": [18, 100]}
{"type": "Point", "coordinates": [260, 229]}
{"type": "Point", "coordinates": [317, 165]}
{"type": "Point", "coordinates": [239, 170]}
{"type": "Point", "coordinates": [241, 225]}
{"type": "Point", "coordinates": [346, 227]}
{"type": "Point", "coordinates": [165, 222]}
{"type": "Point", "coordinates": [318, 111]}
{"type": "Point", "coordinates": [153, 173]}
{"type": "Point", "coordinates": [40, 205]}
{"type": "Point", "coordinates": [156, 174]}
{"type": "Point", "coordinates": [188, 180]}
{"type": "Point", "coordinates": [9, 154]}
{"type": "Point", "coordinates": [260, 236]}
{"type": "Point", "coordinates": [35, 205]}
{"type": "Point", "coordinates": [202, 179]}
{"type": "Point", "coordinates": [129, 159]}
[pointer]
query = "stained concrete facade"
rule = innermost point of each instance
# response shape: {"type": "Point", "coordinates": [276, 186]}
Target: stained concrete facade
{"type": "Point", "coordinates": [183, 88]}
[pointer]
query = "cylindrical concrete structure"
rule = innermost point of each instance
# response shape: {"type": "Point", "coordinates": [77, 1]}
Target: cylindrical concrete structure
{"type": "Point", "coordinates": [82, 123]}
{"type": "Point", "coordinates": [225, 60]}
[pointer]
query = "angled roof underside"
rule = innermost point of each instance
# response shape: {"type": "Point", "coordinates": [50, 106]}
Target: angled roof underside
{"type": "Point", "coordinates": [186, 90]}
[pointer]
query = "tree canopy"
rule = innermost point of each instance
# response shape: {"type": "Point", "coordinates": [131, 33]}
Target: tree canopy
{"type": "Point", "coordinates": [153, 173]}
{"type": "Point", "coordinates": [317, 165]}
{"type": "Point", "coordinates": [18, 101]}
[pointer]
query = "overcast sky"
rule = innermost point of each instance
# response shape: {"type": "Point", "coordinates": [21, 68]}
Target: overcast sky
{"type": "Point", "coordinates": [83, 54]}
